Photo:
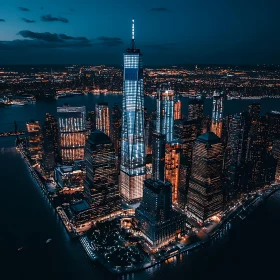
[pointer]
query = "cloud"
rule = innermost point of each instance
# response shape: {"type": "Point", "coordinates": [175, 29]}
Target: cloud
{"type": "Point", "coordinates": [39, 44]}
{"type": "Point", "coordinates": [1, 19]}
{"type": "Point", "coordinates": [159, 9]}
{"type": "Point", "coordinates": [47, 40]}
{"type": "Point", "coordinates": [50, 37]}
{"type": "Point", "coordinates": [28, 20]}
{"type": "Point", "coordinates": [110, 41]}
{"type": "Point", "coordinates": [49, 18]}
{"type": "Point", "coordinates": [24, 9]}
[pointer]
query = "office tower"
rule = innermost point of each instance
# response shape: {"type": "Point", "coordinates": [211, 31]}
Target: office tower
{"type": "Point", "coordinates": [178, 110]}
{"type": "Point", "coordinates": [217, 113]}
{"type": "Point", "coordinates": [186, 132]}
{"type": "Point", "coordinates": [50, 143]}
{"type": "Point", "coordinates": [148, 124]}
{"type": "Point", "coordinates": [184, 177]}
{"type": "Point", "coordinates": [69, 179]}
{"type": "Point", "coordinates": [158, 156]}
{"type": "Point", "coordinates": [116, 133]}
{"type": "Point", "coordinates": [165, 112]}
{"type": "Point", "coordinates": [132, 168]}
{"type": "Point", "coordinates": [206, 124]}
{"type": "Point", "coordinates": [172, 164]}
{"type": "Point", "coordinates": [195, 113]}
{"type": "Point", "coordinates": [72, 132]}
{"type": "Point", "coordinates": [234, 156]}
{"type": "Point", "coordinates": [205, 198]}
{"type": "Point", "coordinates": [155, 217]}
{"type": "Point", "coordinates": [90, 122]}
{"type": "Point", "coordinates": [273, 121]}
{"type": "Point", "coordinates": [34, 140]}
{"type": "Point", "coordinates": [256, 152]}
{"type": "Point", "coordinates": [101, 183]}
{"type": "Point", "coordinates": [196, 109]}
{"type": "Point", "coordinates": [102, 114]}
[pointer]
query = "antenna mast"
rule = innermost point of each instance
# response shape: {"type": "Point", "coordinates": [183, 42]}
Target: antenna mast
{"type": "Point", "coordinates": [133, 40]}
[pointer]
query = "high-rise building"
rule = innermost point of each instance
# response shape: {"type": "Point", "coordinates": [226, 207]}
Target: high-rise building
{"type": "Point", "coordinates": [116, 133]}
{"type": "Point", "coordinates": [205, 197]}
{"type": "Point", "coordinates": [184, 178]}
{"type": "Point", "coordinates": [195, 113]}
{"type": "Point", "coordinates": [148, 124]}
{"type": "Point", "coordinates": [155, 217]}
{"type": "Point", "coordinates": [90, 122]}
{"type": "Point", "coordinates": [178, 110]}
{"type": "Point", "coordinates": [72, 132]}
{"type": "Point", "coordinates": [217, 113]}
{"type": "Point", "coordinates": [158, 156]}
{"type": "Point", "coordinates": [234, 156]}
{"type": "Point", "coordinates": [132, 167]}
{"type": "Point", "coordinates": [102, 114]}
{"type": "Point", "coordinates": [50, 143]}
{"type": "Point", "coordinates": [165, 112]}
{"type": "Point", "coordinates": [256, 151]}
{"type": "Point", "coordinates": [34, 140]}
{"type": "Point", "coordinates": [196, 109]}
{"type": "Point", "coordinates": [172, 165]}
{"type": "Point", "coordinates": [101, 183]}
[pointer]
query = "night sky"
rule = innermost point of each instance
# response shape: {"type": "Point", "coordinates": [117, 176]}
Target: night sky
{"type": "Point", "coordinates": [166, 31]}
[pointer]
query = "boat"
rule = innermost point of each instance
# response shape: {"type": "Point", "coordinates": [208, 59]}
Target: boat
{"type": "Point", "coordinates": [48, 240]}
{"type": "Point", "coordinates": [20, 248]}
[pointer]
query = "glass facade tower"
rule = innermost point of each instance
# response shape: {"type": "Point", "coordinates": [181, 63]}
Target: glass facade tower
{"type": "Point", "coordinates": [102, 113]}
{"type": "Point", "coordinates": [132, 167]}
{"type": "Point", "coordinates": [72, 132]}
{"type": "Point", "coordinates": [165, 113]}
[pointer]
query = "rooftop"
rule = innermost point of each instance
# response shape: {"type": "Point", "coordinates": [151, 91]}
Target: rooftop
{"type": "Point", "coordinates": [80, 206]}
{"type": "Point", "coordinates": [99, 137]}
{"type": "Point", "coordinates": [209, 138]}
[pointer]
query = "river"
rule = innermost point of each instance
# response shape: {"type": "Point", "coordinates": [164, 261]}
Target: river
{"type": "Point", "coordinates": [248, 250]}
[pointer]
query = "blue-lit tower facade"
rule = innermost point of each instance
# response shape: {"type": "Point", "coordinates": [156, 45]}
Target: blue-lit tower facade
{"type": "Point", "coordinates": [165, 112]}
{"type": "Point", "coordinates": [132, 169]}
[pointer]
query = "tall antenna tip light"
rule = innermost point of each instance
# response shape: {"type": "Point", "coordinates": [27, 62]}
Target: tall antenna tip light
{"type": "Point", "coordinates": [133, 33]}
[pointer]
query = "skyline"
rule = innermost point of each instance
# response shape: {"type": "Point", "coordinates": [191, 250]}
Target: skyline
{"type": "Point", "coordinates": [91, 33]}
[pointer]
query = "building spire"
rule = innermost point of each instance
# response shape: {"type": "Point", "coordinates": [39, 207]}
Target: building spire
{"type": "Point", "coordinates": [133, 40]}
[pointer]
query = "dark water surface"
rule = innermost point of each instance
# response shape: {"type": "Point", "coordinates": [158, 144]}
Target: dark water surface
{"type": "Point", "coordinates": [248, 251]}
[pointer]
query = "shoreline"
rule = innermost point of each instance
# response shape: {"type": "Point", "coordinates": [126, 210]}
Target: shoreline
{"type": "Point", "coordinates": [254, 202]}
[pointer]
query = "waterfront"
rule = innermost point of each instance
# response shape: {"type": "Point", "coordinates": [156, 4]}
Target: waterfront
{"type": "Point", "coordinates": [31, 221]}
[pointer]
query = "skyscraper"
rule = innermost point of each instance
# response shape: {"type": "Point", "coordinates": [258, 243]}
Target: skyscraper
{"type": "Point", "coordinates": [178, 110]}
{"type": "Point", "coordinates": [158, 156]}
{"type": "Point", "coordinates": [165, 112]}
{"type": "Point", "coordinates": [101, 183]}
{"type": "Point", "coordinates": [102, 114]}
{"type": "Point", "coordinates": [205, 197]}
{"type": "Point", "coordinates": [116, 132]}
{"type": "Point", "coordinates": [217, 113]}
{"type": "Point", "coordinates": [72, 130]}
{"type": "Point", "coordinates": [34, 140]}
{"type": "Point", "coordinates": [196, 109]}
{"type": "Point", "coordinates": [172, 165]}
{"type": "Point", "coordinates": [50, 143]}
{"type": "Point", "coordinates": [234, 156]}
{"type": "Point", "coordinates": [132, 168]}
{"type": "Point", "coordinates": [155, 217]}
